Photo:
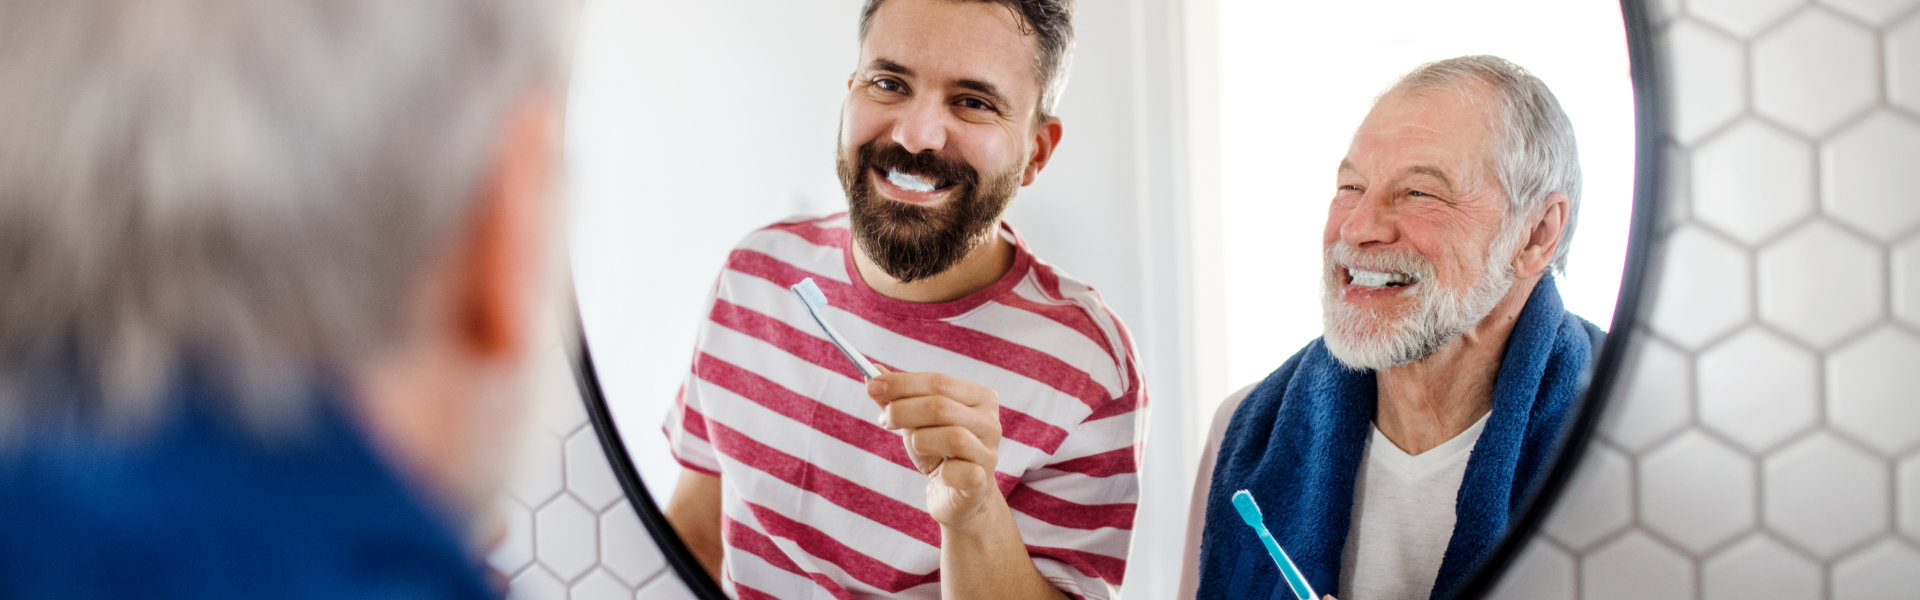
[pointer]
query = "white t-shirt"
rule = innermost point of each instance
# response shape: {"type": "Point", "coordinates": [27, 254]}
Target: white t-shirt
{"type": "Point", "coordinates": [1412, 498]}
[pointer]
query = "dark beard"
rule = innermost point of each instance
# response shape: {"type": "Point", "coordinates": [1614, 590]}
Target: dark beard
{"type": "Point", "coordinates": [911, 242]}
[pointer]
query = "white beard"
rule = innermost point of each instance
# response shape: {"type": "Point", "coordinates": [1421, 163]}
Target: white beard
{"type": "Point", "coordinates": [1363, 339]}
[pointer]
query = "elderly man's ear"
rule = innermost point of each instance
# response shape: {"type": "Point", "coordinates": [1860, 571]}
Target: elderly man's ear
{"type": "Point", "coordinates": [503, 247]}
{"type": "Point", "coordinates": [1543, 240]}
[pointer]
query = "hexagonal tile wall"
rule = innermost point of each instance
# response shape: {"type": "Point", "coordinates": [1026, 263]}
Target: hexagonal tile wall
{"type": "Point", "coordinates": [1753, 180]}
{"type": "Point", "coordinates": [1760, 567]}
{"type": "Point", "coordinates": [1906, 282]}
{"type": "Point", "coordinates": [1814, 72]}
{"type": "Point", "coordinates": [1903, 65]}
{"type": "Point", "coordinates": [1819, 284]}
{"type": "Point", "coordinates": [1636, 566]}
{"type": "Point", "coordinates": [1886, 570]}
{"type": "Point", "coordinates": [1600, 504]}
{"type": "Point", "coordinates": [1742, 18]}
{"type": "Point", "coordinates": [1697, 492]}
{"type": "Point", "coordinates": [1706, 289]}
{"type": "Point", "coordinates": [1708, 86]}
{"type": "Point", "coordinates": [1825, 495]}
{"type": "Point", "coordinates": [1874, 12]}
{"type": "Point", "coordinates": [1658, 370]}
{"type": "Point", "coordinates": [1872, 396]}
{"type": "Point", "coordinates": [1862, 170]}
{"type": "Point", "coordinates": [1757, 389]}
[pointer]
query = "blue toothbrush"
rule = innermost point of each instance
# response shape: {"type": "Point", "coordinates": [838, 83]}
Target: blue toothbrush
{"type": "Point", "coordinates": [1250, 512]}
{"type": "Point", "coordinates": [811, 296]}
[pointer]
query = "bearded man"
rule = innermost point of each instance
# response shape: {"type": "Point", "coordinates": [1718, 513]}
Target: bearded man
{"type": "Point", "coordinates": [1388, 455]}
{"type": "Point", "coordinates": [995, 458]}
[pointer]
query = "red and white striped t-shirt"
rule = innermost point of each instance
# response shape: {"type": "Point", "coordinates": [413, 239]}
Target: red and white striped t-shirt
{"type": "Point", "coordinates": [818, 501]}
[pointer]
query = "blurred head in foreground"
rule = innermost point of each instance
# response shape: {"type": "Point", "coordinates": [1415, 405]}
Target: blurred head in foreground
{"type": "Point", "coordinates": [243, 242]}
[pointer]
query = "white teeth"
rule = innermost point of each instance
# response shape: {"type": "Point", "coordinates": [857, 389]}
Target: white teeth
{"type": "Point", "coordinates": [912, 183]}
{"type": "Point", "coordinates": [1365, 278]}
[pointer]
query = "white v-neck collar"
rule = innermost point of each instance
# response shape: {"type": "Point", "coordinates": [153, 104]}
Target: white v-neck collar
{"type": "Point", "coordinates": [1384, 453]}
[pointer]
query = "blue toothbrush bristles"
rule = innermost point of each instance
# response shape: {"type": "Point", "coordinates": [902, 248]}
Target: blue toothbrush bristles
{"type": "Point", "coordinates": [810, 293]}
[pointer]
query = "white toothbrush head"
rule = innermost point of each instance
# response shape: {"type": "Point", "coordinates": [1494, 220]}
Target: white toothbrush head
{"type": "Point", "coordinates": [810, 293]}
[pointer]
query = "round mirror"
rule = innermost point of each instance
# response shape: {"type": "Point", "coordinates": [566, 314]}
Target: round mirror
{"type": "Point", "coordinates": [1203, 164]}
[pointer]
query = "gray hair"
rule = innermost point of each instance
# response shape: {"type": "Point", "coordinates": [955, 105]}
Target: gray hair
{"type": "Point", "coordinates": [243, 192]}
{"type": "Point", "coordinates": [1049, 21]}
{"type": "Point", "coordinates": [1535, 154]}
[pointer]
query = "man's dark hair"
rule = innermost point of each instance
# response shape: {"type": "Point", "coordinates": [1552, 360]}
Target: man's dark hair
{"type": "Point", "coordinates": [1050, 21]}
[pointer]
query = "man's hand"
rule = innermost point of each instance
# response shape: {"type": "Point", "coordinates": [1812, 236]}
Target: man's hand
{"type": "Point", "coordinates": [953, 436]}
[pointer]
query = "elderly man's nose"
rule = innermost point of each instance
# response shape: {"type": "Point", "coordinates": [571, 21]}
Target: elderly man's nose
{"type": "Point", "coordinates": [1370, 221]}
{"type": "Point", "coordinates": [922, 128]}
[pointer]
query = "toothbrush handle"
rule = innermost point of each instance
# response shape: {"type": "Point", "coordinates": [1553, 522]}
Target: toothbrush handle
{"type": "Point", "coordinates": [1301, 589]}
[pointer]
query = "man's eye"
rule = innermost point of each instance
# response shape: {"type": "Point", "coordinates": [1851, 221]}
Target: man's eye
{"type": "Point", "coordinates": [1419, 193]}
{"type": "Point", "coordinates": [888, 85]}
{"type": "Point", "coordinates": [1349, 188]}
{"type": "Point", "coordinates": [975, 104]}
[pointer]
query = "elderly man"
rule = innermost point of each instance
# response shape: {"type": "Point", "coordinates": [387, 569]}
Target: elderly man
{"type": "Point", "coordinates": [269, 274]}
{"type": "Point", "coordinates": [1387, 455]}
{"type": "Point", "coordinates": [997, 458]}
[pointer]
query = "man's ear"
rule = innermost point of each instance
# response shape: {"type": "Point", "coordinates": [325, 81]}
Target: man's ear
{"type": "Point", "coordinates": [501, 253]}
{"type": "Point", "coordinates": [1044, 141]}
{"type": "Point", "coordinates": [1543, 241]}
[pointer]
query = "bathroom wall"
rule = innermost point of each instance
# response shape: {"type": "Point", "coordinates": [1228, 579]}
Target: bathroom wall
{"type": "Point", "coordinates": [1766, 443]}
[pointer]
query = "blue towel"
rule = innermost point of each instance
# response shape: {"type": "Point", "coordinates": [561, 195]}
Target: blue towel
{"type": "Point", "coordinates": [1296, 442]}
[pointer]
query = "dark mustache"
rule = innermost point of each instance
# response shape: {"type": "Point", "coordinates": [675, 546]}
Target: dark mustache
{"type": "Point", "coordinates": [926, 164]}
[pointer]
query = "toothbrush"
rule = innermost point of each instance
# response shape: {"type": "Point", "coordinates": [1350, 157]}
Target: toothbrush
{"type": "Point", "coordinates": [811, 296]}
{"type": "Point", "coordinates": [1250, 512]}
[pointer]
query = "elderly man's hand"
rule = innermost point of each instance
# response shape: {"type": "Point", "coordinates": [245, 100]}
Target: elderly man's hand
{"type": "Point", "coordinates": [953, 436]}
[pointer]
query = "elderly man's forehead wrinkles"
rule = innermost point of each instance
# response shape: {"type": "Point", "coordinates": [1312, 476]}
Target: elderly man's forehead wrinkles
{"type": "Point", "coordinates": [1434, 172]}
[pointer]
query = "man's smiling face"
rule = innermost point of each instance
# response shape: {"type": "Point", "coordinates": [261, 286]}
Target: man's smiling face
{"type": "Point", "coordinates": [938, 131]}
{"type": "Point", "coordinates": [1415, 248]}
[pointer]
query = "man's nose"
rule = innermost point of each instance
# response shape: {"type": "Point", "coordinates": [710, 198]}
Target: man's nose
{"type": "Point", "coordinates": [1371, 221]}
{"type": "Point", "coordinates": [923, 127]}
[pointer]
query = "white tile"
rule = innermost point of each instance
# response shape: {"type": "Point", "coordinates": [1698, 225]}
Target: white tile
{"type": "Point", "coordinates": [589, 477]}
{"type": "Point", "coordinates": [1676, 200]}
{"type": "Point", "coordinates": [1906, 282]}
{"type": "Point", "coordinates": [1708, 86]}
{"type": "Point", "coordinates": [1867, 171]}
{"type": "Point", "coordinates": [1697, 492]}
{"type": "Point", "coordinates": [1814, 72]}
{"type": "Point", "coordinates": [1877, 12]}
{"type": "Point", "coordinates": [1759, 568]}
{"type": "Point", "coordinates": [665, 587]}
{"type": "Point", "coordinates": [1906, 498]}
{"type": "Point", "coordinates": [1903, 64]}
{"type": "Point", "coordinates": [1825, 495]}
{"type": "Point", "coordinates": [1741, 17]}
{"type": "Point", "coordinates": [559, 410]}
{"type": "Point", "coordinates": [1596, 503]}
{"type": "Point", "coordinates": [1542, 572]}
{"type": "Point", "coordinates": [625, 547]}
{"type": "Point", "coordinates": [537, 584]}
{"type": "Point", "coordinates": [600, 585]}
{"type": "Point", "coordinates": [1704, 289]}
{"type": "Point", "coordinates": [1758, 389]}
{"type": "Point", "coordinates": [1873, 395]}
{"type": "Point", "coordinates": [1652, 403]}
{"type": "Point", "coordinates": [1752, 181]}
{"type": "Point", "coordinates": [564, 537]}
{"type": "Point", "coordinates": [1886, 570]}
{"type": "Point", "coordinates": [1820, 284]}
{"type": "Point", "coordinates": [536, 472]}
{"type": "Point", "coordinates": [1635, 566]}
{"type": "Point", "coordinates": [515, 550]}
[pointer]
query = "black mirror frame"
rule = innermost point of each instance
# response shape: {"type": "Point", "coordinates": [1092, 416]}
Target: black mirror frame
{"type": "Point", "coordinates": [1650, 127]}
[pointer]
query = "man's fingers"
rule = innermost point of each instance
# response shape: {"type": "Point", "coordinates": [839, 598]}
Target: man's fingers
{"type": "Point", "coordinates": [940, 411]}
{"type": "Point", "coordinates": [928, 446]}
{"type": "Point", "coordinates": [894, 386]}
{"type": "Point", "coordinates": [964, 476]}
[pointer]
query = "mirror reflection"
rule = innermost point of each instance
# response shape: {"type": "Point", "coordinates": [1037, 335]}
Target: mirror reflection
{"type": "Point", "coordinates": [902, 381]}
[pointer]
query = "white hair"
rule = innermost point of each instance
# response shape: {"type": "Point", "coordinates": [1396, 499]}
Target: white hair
{"type": "Point", "coordinates": [1363, 339]}
{"type": "Point", "coordinates": [1535, 152]}
{"type": "Point", "coordinates": [241, 190]}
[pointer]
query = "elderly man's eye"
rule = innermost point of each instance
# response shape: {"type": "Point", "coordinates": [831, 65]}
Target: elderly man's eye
{"type": "Point", "coordinates": [1419, 193]}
